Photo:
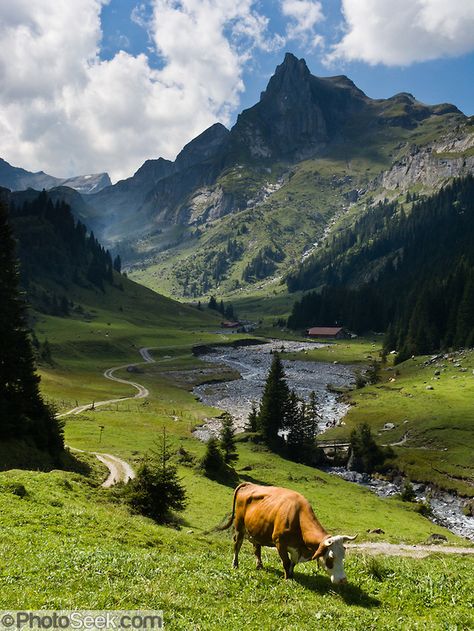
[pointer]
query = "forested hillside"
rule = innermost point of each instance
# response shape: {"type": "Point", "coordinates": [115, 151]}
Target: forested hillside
{"type": "Point", "coordinates": [27, 423]}
{"type": "Point", "coordinates": [56, 251]}
{"type": "Point", "coordinates": [407, 268]}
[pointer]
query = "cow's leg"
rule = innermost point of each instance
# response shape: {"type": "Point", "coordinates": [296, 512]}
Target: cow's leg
{"type": "Point", "coordinates": [238, 538]}
{"type": "Point", "coordinates": [287, 564]}
{"type": "Point", "coordinates": [257, 548]}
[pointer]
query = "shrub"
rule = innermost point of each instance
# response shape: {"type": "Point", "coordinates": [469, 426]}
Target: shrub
{"type": "Point", "coordinates": [366, 456]}
{"type": "Point", "coordinates": [424, 509]}
{"type": "Point", "coordinates": [408, 494]}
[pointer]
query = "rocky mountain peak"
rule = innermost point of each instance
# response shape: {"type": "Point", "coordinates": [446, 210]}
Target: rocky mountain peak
{"type": "Point", "coordinates": [288, 80]}
{"type": "Point", "coordinates": [203, 147]}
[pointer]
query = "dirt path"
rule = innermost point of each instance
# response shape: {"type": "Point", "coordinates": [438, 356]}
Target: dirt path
{"type": "Point", "coordinates": [119, 470]}
{"type": "Point", "coordinates": [109, 374]}
{"type": "Point", "coordinates": [403, 550]}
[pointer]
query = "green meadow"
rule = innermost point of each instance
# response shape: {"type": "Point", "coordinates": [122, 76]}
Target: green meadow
{"type": "Point", "coordinates": [430, 407]}
{"type": "Point", "coordinates": [68, 543]}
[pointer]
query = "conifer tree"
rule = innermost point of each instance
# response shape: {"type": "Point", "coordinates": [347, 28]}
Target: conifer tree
{"type": "Point", "coordinates": [229, 312]}
{"type": "Point", "coordinates": [212, 304]}
{"type": "Point", "coordinates": [157, 489]}
{"type": "Point", "coordinates": [23, 413]}
{"type": "Point", "coordinates": [227, 440]}
{"type": "Point", "coordinates": [252, 420]}
{"type": "Point", "coordinates": [465, 317]}
{"type": "Point", "coordinates": [118, 264]}
{"type": "Point", "coordinates": [212, 463]}
{"type": "Point", "coordinates": [272, 413]}
{"type": "Point", "coordinates": [294, 423]}
{"type": "Point", "coordinates": [313, 417]}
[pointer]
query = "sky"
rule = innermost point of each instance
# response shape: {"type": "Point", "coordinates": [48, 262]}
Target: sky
{"type": "Point", "coordinates": [102, 85]}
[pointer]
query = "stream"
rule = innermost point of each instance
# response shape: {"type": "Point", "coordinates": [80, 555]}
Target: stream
{"type": "Point", "coordinates": [253, 364]}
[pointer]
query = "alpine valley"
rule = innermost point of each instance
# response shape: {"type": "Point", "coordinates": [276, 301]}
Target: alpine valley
{"type": "Point", "coordinates": [239, 210]}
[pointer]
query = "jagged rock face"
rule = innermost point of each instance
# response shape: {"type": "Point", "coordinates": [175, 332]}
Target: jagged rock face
{"type": "Point", "coordinates": [297, 114]}
{"type": "Point", "coordinates": [205, 147]}
{"type": "Point", "coordinates": [156, 192]}
{"type": "Point", "coordinates": [431, 166]}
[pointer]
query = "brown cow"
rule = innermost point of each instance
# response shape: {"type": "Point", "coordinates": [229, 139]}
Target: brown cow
{"type": "Point", "coordinates": [277, 517]}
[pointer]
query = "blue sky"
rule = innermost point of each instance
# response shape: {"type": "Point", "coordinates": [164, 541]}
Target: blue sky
{"type": "Point", "coordinates": [444, 79]}
{"type": "Point", "coordinates": [102, 85]}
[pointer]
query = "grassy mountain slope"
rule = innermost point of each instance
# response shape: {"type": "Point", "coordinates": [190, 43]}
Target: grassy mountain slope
{"type": "Point", "coordinates": [290, 209]}
{"type": "Point", "coordinates": [84, 551]}
{"type": "Point", "coordinates": [427, 400]}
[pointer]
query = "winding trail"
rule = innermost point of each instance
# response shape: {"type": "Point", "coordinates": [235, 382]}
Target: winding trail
{"type": "Point", "coordinates": [109, 374]}
{"type": "Point", "coordinates": [119, 470]}
{"type": "Point", "coordinates": [403, 550]}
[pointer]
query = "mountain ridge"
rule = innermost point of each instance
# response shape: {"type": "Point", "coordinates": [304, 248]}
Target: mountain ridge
{"type": "Point", "coordinates": [17, 178]}
{"type": "Point", "coordinates": [238, 207]}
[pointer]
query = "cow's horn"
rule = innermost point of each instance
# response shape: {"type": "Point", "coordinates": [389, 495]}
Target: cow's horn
{"type": "Point", "coordinates": [348, 537]}
{"type": "Point", "coordinates": [320, 551]}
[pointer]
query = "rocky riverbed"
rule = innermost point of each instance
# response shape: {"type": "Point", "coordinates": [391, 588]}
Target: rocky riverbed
{"type": "Point", "coordinates": [446, 509]}
{"type": "Point", "coordinates": [253, 364]}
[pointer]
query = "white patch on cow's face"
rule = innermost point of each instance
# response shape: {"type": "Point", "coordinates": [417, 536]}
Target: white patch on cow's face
{"type": "Point", "coordinates": [333, 559]}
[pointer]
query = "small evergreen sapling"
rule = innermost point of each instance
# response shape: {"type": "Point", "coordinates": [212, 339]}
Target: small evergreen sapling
{"type": "Point", "coordinates": [157, 489]}
{"type": "Point", "coordinates": [227, 440]}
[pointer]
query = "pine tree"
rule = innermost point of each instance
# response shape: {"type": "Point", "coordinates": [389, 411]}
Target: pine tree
{"type": "Point", "coordinates": [272, 413]}
{"type": "Point", "coordinates": [118, 264]}
{"type": "Point", "coordinates": [365, 454]}
{"type": "Point", "coordinates": [23, 413]}
{"type": "Point", "coordinates": [465, 318]}
{"type": "Point", "coordinates": [313, 417]}
{"type": "Point", "coordinates": [212, 304]}
{"type": "Point", "coordinates": [294, 423]}
{"type": "Point", "coordinates": [252, 420]}
{"type": "Point", "coordinates": [229, 312]}
{"type": "Point", "coordinates": [157, 489]}
{"type": "Point", "coordinates": [212, 463]}
{"type": "Point", "coordinates": [227, 440]}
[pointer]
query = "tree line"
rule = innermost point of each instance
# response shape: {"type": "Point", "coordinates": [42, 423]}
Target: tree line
{"type": "Point", "coordinates": [53, 246]}
{"type": "Point", "coordinates": [24, 416]}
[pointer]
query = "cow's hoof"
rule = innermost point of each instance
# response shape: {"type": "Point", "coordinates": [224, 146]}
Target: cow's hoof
{"type": "Point", "coordinates": [259, 566]}
{"type": "Point", "coordinates": [235, 566]}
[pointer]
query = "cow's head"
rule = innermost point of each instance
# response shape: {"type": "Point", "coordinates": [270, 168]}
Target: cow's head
{"type": "Point", "coordinates": [330, 554]}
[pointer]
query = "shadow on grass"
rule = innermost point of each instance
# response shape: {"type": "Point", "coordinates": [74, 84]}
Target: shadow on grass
{"type": "Point", "coordinates": [351, 594]}
{"type": "Point", "coordinates": [249, 478]}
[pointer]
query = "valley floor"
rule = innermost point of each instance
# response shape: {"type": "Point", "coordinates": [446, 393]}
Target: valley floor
{"type": "Point", "coordinates": [67, 543]}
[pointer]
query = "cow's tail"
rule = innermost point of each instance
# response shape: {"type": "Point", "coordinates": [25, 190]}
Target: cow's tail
{"type": "Point", "coordinates": [230, 518]}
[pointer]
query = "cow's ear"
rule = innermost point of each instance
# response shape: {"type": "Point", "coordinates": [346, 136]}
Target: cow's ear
{"type": "Point", "coordinates": [320, 551]}
{"type": "Point", "coordinates": [348, 537]}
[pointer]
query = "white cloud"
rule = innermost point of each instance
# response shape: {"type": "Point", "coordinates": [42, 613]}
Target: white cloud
{"type": "Point", "coordinates": [64, 110]}
{"type": "Point", "coordinates": [303, 16]}
{"type": "Point", "coordinates": [408, 31]}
